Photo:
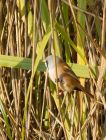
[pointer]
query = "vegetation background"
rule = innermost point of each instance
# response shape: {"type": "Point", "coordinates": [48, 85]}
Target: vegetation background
{"type": "Point", "coordinates": [30, 107]}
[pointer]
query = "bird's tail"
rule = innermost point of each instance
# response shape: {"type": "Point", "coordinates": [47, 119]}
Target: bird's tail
{"type": "Point", "coordinates": [81, 88]}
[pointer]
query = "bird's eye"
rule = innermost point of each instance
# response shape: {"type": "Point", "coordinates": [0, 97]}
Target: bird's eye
{"type": "Point", "coordinates": [46, 63]}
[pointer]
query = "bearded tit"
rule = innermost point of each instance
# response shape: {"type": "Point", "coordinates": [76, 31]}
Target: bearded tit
{"type": "Point", "coordinates": [66, 78]}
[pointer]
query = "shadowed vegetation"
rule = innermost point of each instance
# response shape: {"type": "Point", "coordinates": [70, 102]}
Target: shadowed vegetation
{"type": "Point", "coordinates": [30, 107]}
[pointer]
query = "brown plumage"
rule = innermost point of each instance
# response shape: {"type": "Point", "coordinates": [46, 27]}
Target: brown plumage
{"type": "Point", "coordinates": [67, 83]}
{"type": "Point", "coordinates": [67, 79]}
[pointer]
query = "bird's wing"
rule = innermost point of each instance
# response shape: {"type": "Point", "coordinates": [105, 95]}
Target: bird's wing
{"type": "Point", "coordinates": [68, 70]}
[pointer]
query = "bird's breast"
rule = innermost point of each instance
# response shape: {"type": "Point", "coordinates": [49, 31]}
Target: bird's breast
{"type": "Point", "coordinates": [52, 74]}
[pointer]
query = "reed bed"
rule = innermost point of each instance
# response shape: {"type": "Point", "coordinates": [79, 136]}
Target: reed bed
{"type": "Point", "coordinates": [30, 107]}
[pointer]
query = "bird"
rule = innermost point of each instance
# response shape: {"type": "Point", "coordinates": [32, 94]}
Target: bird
{"type": "Point", "coordinates": [66, 78]}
